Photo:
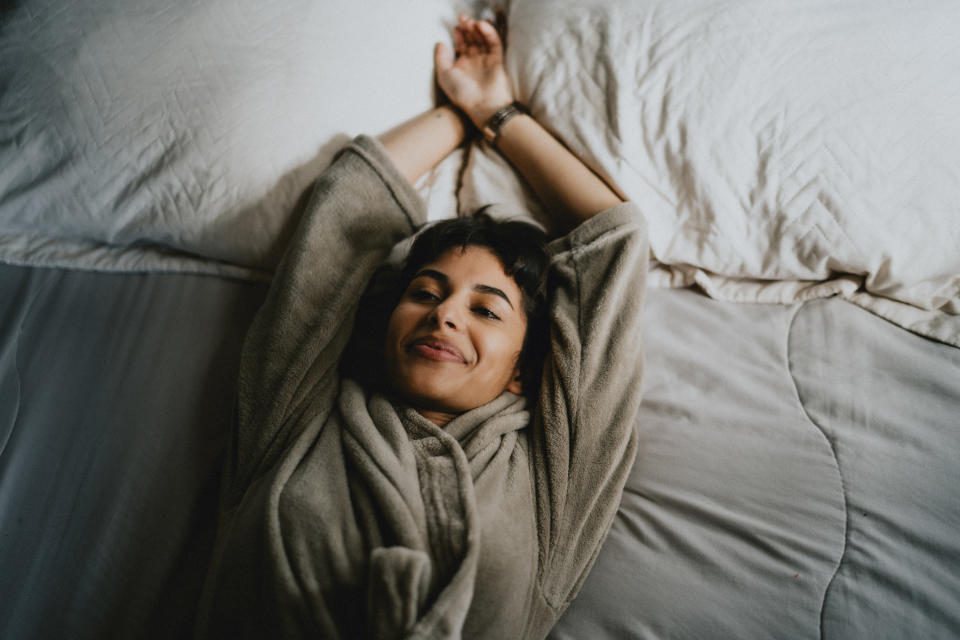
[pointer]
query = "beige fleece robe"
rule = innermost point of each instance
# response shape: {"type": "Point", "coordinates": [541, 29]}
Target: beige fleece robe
{"type": "Point", "coordinates": [347, 515]}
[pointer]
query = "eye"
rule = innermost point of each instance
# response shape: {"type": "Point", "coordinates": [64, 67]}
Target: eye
{"type": "Point", "coordinates": [423, 295]}
{"type": "Point", "coordinates": [485, 312]}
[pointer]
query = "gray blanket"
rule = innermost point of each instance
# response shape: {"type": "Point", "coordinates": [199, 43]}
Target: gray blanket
{"type": "Point", "coordinates": [347, 514]}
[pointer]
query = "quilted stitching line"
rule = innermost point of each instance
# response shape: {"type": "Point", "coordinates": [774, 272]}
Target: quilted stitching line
{"type": "Point", "coordinates": [833, 451]}
{"type": "Point", "coordinates": [49, 277]}
{"type": "Point", "coordinates": [19, 387]}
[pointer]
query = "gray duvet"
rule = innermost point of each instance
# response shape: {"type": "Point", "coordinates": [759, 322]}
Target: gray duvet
{"type": "Point", "coordinates": [797, 478]}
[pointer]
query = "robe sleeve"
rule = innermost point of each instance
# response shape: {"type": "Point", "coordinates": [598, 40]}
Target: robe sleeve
{"type": "Point", "coordinates": [584, 437]}
{"type": "Point", "coordinates": [360, 208]}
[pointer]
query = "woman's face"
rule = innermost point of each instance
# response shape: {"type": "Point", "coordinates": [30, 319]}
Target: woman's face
{"type": "Point", "coordinates": [454, 339]}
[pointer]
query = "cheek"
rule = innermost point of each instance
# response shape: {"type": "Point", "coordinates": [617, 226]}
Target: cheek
{"type": "Point", "coordinates": [394, 331]}
{"type": "Point", "coordinates": [503, 348]}
{"type": "Point", "coordinates": [402, 322]}
{"type": "Point", "coordinates": [403, 318]}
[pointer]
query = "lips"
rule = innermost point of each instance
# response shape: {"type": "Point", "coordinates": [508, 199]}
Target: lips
{"type": "Point", "coordinates": [433, 348]}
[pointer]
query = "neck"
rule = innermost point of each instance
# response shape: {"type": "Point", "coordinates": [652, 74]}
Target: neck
{"type": "Point", "coordinates": [439, 418]}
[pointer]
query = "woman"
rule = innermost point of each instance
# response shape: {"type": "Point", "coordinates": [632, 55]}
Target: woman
{"type": "Point", "coordinates": [440, 505]}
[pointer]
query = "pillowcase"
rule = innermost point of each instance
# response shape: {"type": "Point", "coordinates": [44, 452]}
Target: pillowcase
{"type": "Point", "coordinates": [181, 135]}
{"type": "Point", "coordinates": [780, 150]}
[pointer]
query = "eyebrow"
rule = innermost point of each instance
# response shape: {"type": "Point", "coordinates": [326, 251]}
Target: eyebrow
{"type": "Point", "coordinates": [480, 288]}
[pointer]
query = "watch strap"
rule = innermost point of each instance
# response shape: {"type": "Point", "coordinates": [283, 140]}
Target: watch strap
{"type": "Point", "coordinates": [495, 123]}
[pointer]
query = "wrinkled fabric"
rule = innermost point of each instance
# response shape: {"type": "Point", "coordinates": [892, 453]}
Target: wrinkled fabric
{"type": "Point", "coordinates": [781, 151]}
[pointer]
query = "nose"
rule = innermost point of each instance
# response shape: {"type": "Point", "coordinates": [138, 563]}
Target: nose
{"type": "Point", "coordinates": [446, 314]}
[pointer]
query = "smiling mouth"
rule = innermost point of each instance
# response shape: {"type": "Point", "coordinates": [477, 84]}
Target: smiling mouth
{"type": "Point", "coordinates": [436, 350]}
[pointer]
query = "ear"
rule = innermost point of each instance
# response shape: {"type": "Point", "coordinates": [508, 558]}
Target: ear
{"type": "Point", "coordinates": [516, 384]}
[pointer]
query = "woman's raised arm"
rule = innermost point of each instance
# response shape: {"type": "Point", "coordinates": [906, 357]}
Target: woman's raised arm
{"type": "Point", "coordinates": [474, 78]}
{"type": "Point", "coordinates": [418, 144]}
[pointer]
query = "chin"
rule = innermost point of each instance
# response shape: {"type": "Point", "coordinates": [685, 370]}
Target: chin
{"type": "Point", "coordinates": [422, 389]}
{"type": "Point", "coordinates": [433, 397]}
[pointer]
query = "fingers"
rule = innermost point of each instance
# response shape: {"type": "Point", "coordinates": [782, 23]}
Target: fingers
{"type": "Point", "coordinates": [442, 57]}
{"type": "Point", "coordinates": [490, 36]}
{"type": "Point", "coordinates": [470, 40]}
{"type": "Point", "coordinates": [475, 35]}
{"type": "Point", "coordinates": [458, 44]}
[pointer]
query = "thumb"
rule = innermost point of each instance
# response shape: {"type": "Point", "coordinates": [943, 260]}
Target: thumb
{"type": "Point", "coordinates": [442, 57]}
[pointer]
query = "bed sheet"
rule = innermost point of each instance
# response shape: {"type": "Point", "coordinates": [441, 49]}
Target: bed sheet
{"type": "Point", "coordinates": [781, 151]}
{"type": "Point", "coordinates": [183, 135]}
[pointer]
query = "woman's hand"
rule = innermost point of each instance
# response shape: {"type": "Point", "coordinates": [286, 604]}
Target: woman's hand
{"type": "Point", "coordinates": [472, 75]}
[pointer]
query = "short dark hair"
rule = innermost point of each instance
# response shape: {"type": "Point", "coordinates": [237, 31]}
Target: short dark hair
{"type": "Point", "coordinates": [521, 248]}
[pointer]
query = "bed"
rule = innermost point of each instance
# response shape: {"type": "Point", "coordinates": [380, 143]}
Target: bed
{"type": "Point", "coordinates": [799, 167]}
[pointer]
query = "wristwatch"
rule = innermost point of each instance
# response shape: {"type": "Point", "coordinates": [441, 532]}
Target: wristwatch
{"type": "Point", "coordinates": [493, 125]}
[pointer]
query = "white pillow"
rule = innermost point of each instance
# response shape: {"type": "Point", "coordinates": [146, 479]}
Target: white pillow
{"type": "Point", "coordinates": [171, 135]}
{"type": "Point", "coordinates": [780, 150]}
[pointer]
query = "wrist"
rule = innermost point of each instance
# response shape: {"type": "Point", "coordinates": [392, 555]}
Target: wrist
{"type": "Point", "coordinates": [455, 121]}
{"type": "Point", "coordinates": [481, 114]}
{"type": "Point", "coordinates": [495, 124]}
